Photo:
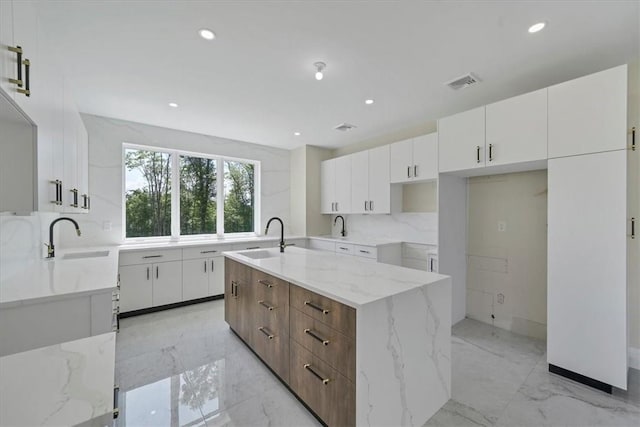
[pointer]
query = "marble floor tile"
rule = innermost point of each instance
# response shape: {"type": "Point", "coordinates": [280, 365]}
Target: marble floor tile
{"type": "Point", "coordinates": [184, 367]}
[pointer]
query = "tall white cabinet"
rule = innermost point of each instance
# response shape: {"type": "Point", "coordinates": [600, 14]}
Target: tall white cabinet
{"type": "Point", "coordinates": [370, 190]}
{"type": "Point", "coordinates": [335, 192]}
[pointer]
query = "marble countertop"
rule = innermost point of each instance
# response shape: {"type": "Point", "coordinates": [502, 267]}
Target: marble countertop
{"type": "Point", "coordinates": [63, 384]}
{"type": "Point", "coordinates": [133, 246]}
{"type": "Point", "coordinates": [368, 241]}
{"type": "Point", "coordinates": [59, 278]}
{"type": "Point", "coordinates": [350, 280]}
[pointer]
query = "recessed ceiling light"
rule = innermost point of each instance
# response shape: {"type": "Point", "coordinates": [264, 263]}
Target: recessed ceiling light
{"type": "Point", "coordinates": [369, 101]}
{"type": "Point", "coordinates": [319, 67]}
{"type": "Point", "coordinates": [207, 34]}
{"type": "Point", "coordinates": [173, 104]}
{"type": "Point", "coordinates": [537, 27]}
{"type": "Point", "coordinates": [296, 133]}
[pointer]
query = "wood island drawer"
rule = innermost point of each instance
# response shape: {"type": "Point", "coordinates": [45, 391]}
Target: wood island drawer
{"type": "Point", "coordinates": [329, 394]}
{"type": "Point", "coordinates": [324, 342]}
{"type": "Point", "coordinates": [149, 256]}
{"type": "Point", "coordinates": [271, 315]}
{"type": "Point", "coordinates": [273, 347]}
{"type": "Point", "coordinates": [270, 288]}
{"type": "Point", "coordinates": [337, 315]}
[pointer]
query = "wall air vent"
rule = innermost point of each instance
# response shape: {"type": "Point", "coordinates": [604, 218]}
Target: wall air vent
{"type": "Point", "coordinates": [344, 127]}
{"type": "Point", "coordinates": [463, 81]}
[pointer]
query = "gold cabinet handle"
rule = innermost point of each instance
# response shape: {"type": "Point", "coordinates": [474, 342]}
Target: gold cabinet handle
{"type": "Point", "coordinates": [267, 283]}
{"type": "Point", "coordinates": [266, 332]}
{"type": "Point", "coordinates": [317, 337]}
{"type": "Point", "coordinates": [267, 306]}
{"type": "Point", "coordinates": [316, 307]}
{"type": "Point", "coordinates": [308, 367]}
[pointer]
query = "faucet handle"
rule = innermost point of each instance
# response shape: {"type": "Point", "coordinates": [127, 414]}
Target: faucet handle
{"type": "Point", "coordinates": [49, 250]}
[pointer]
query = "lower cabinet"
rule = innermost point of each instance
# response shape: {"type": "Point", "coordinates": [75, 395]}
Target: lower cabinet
{"type": "Point", "coordinates": [202, 278]}
{"type": "Point", "coordinates": [167, 277]}
{"type": "Point", "coordinates": [150, 285]}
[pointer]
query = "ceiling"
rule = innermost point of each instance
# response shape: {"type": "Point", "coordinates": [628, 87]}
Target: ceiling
{"type": "Point", "coordinates": [255, 81]}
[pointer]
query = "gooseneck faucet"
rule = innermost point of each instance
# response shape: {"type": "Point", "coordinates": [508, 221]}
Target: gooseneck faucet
{"type": "Point", "coordinates": [266, 230]}
{"type": "Point", "coordinates": [51, 251]}
{"type": "Point", "coordinates": [343, 232]}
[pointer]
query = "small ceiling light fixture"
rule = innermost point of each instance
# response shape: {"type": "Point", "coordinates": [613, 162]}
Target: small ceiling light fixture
{"type": "Point", "coordinates": [537, 27]}
{"type": "Point", "coordinates": [296, 133]}
{"type": "Point", "coordinates": [173, 105]}
{"type": "Point", "coordinates": [368, 101]}
{"type": "Point", "coordinates": [206, 34]}
{"type": "Point", "coordinates": [319, 67]}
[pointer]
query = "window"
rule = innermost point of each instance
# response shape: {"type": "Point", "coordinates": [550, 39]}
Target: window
{"type": "Point", "coordinates": [169, 193]}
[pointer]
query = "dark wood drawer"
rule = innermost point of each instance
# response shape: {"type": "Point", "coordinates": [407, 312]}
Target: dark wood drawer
{"type": "Point", "coordinates": [273, 316]}
{"type": "Point", "coordinates": [329, 394]}
{"type": "Point", "coordinates": [270, 288]}
{"type": "Point", "coordinates": [337, 315]}
{"type": "Point", "coordinates": [324, 342]}
{"type": "Point", "coordinates": [273, 347]}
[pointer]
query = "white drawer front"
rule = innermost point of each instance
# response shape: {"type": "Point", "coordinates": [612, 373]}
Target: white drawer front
{"type": "Point", "coordinates": [322, 245]}
{"type": "Point", "coordinates": [207, 251]}
{"type": "Point", "coordinates": [345, 248]}
{"type": "Point", "coordinates": [254, 245]}
{"type": "Point", "coordinates": [365, 251]}
{"type": "Point", "coordinates": [149, 256]}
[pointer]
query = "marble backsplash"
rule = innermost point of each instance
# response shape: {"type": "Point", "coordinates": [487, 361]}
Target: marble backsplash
{"type": "Point", "coordinates": [406, 227]}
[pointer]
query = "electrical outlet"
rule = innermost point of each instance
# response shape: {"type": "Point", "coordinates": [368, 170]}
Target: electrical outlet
{"type": "Point", "coordinates": [500, 298]}
{"type": "Point", "coordinates": [502, 226]}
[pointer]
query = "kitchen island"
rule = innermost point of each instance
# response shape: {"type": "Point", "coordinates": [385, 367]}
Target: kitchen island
{"type": "Point", "coordinates": [358, 342]}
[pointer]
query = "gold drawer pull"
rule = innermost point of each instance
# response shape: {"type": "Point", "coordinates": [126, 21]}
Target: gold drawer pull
{"type": "Point", "coordinates": [307, 366]}
{"type": "Point", "coordinates": [267, 306]}
{"type": "Point", "coordinates": [267, 283]}
{"type": "Point", "coordinates": [316, 307]}
{"type": "Point", "coordinates": [266, 332]}
{"type": "Point", "coordinates": [313, 334]}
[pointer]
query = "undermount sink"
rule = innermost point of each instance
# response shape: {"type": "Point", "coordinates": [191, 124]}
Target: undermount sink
{"type": "Point", "coordinates": [92, 254]}
{"type": "Point", "coordinates": [260, 254]}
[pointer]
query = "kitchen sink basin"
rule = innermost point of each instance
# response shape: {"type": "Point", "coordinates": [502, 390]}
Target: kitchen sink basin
{"type": "Point", "coordinates": [260, 254]}
{"type": "Point", "coordinates": [91, 254]}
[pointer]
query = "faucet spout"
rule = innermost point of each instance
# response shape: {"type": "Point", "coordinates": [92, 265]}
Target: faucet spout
{"type": "Point", "coordinates": [266, 230]}
{"type": "Point", "coordinates": [343, 232]}
{"type": "Point", "coordinates": [51, 251]}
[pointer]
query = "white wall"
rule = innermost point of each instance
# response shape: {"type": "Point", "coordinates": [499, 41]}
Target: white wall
{"type": "Point", "coordinates": [106, 136]}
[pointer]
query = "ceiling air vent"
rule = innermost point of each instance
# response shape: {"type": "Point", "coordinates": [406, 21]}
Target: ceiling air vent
{"type": "Point", "coordinates": [344, 127]}
{"type": "Point", "coordinates": [463, 81]}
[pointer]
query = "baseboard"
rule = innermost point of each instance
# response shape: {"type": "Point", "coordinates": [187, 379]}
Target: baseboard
{"type": "Point", "coordinates": [168, 306]}
{"type": "Point", "coordinates": [599, 385]}
{"type": "Point", "coordinates": [634, 357]}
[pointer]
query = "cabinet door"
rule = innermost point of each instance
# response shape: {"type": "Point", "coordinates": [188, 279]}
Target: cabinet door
{"type": "Point", "coordinates": [517, 129]}
{"type": "Point", "coordinates": [216, 276]}
{"type": "Point", "coordinates": [401, 161]}
{"type": "Point", "coordinates": [136, 287]}
{"type": "Point", "coordinates": [231, 302]}
{"type": "Point", "coordinates": [589, 114]}
{"type": "Point", "coordinates": [25, 35]}
{"type": "Point", "coordinates": [461, 141]}
{"type": "Point", "coordinates": [83, 164]}
{"type": "Point", "coordinates": [167, 283]}
{"type": "Point", "coordinates": [195, 279]}
{"type": "Point", "coordinates": [8, 66]}
{"type": "Point", "coordinates": [425, 157]}
{"type": "Point", "coordinates": [379, 186]}
{"type": "Point", "coordinates": [70, 161]}
{"type": "Point", "coordinates": [360, 182]}
{"type": "Point", "coordinates": [587, 257]}
{"type": "Point", "coordinates": [327, 186]}
{"type": "Point", "coordinates": [343, 184]}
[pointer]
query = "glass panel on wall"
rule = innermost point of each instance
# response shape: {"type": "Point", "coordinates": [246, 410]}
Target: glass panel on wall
{"type": "Point", "coordinates": [239, 197]}
{"type": "Point", "coordinates": [147, 193]}
{"type": "Point", "coordinates": [197, 195]}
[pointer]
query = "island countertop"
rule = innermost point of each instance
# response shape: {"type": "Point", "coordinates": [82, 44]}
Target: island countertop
{"type": "Point", "coordinates": [349, 280]}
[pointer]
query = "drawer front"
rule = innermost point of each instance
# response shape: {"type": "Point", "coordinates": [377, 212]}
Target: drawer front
{"type": "Point", "coordinates": [365, 251]}
{"type": "Point", "coordinates": [330, 395]}
{"type": "Point", "coordinates": [273, 347]}
{"type": "Point", "coordinates": [273, 316]}
{"type": "Point", "coordinates": [339, 316]}
{"type": "Point", "coordinates": [345, 248]}
{"type": "Point", "coordinates": [322, 245]}
{"type": "Point", "coordinates": [270, 288]}
{"type": "Point", "coordinates": [208, 251]}
{"type": "Point", "coordinates": [150, 256]}
{"type": "Point", "coordinates": [324, 342]}
{"type": "Point", "coordinates": [254, 245]}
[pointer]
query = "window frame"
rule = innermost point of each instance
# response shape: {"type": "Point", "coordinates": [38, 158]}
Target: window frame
{"type": "Point", "coordinates": [175, 196]}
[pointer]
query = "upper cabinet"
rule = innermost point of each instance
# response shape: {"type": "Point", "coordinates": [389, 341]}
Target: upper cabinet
{"type": "Point", "coordinates": [461, 139]}
{"type": "Point", "coordinates": [516, 129]}
{"type": "Point", "coordinates": [8, 64]}
{"type": "Point", "coordinates": [414, 159]}
{"type": "Point", "coordinates": [588, 114]}
{"type": "Point", "coordinates": [335, 182]}
{"type": "Point", "coordinates": [370, 189]}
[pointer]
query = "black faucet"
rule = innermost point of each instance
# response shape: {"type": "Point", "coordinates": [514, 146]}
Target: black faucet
{"type": "Point", "coordinates": [343, 232]}
{"type": "Point", "coordinates": [51, 251]}
{"type": "Point", "coordinates": [266, 230]}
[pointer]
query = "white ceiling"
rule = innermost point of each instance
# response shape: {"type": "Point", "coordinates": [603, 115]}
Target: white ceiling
{"type": "Point", "coordinates": [255, 82]}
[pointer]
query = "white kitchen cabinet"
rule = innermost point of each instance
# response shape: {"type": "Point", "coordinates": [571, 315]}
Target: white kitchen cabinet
{"type": "Point", "coordinates": [414, 159]}
{"type": "Point", "coordinates": [335, 180]}
{"type": "Point", "coordinates": [588, 114]}
{"type": "Point", "coordinates": [370, 189]}
{"type": "Point", "coordinates": [136, 287]}
{"type": "Point", "coordinates": [25, 35]}
{"type": "Point", "coordinates": [516, 129]}
{"type": "Point", "coordinates": [195, 279]}
{"type": "Point", "coordinates": [587, 266]}
{"type": "Point", "coordinates": [167, 283]}
{"type": "Point", "coordinates": [203, 275]}
{"type": "Point", "coordinates": [461, 140]}
{"type": "Point", "coordinates": [8, 67]}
